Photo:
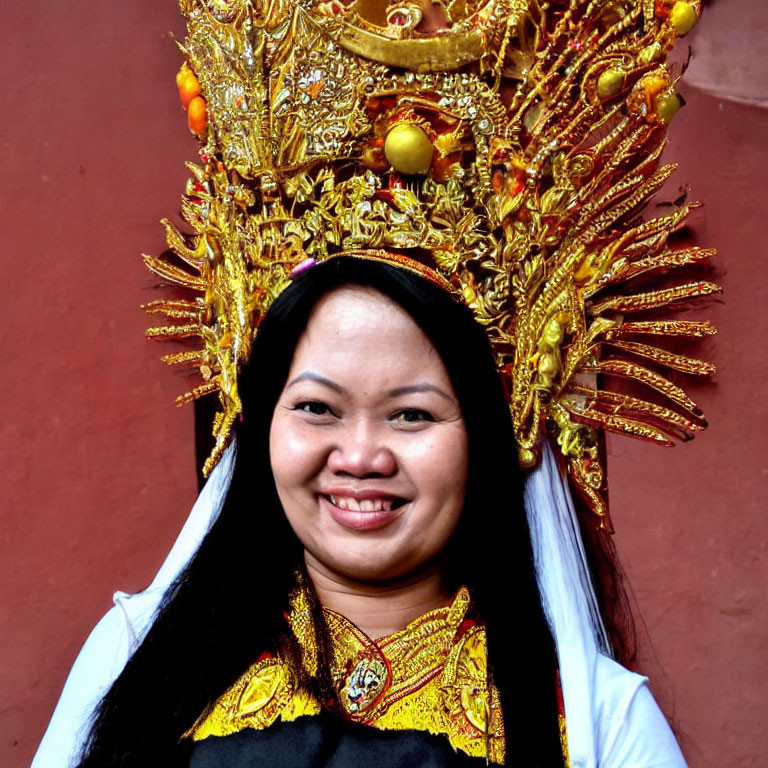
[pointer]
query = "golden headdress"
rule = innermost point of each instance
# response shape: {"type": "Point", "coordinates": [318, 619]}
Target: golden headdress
{"type": "Point", "coordinates": [504, 147]}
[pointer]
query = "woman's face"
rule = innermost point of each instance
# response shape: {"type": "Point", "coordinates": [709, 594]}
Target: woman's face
{"type": "Point", "coordinates": [368, 445]}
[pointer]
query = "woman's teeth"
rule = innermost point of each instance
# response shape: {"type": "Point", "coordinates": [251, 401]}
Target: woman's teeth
{"type": "Point", "coordinates": [364, 505]}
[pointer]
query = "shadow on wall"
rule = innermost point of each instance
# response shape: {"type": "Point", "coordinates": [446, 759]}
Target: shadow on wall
{"type": "Point", "coordinates": [730, 61]}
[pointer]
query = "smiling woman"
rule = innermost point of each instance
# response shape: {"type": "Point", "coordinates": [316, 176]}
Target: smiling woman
{"type": "Point", "coordinates": [371, 424]}
{"type": "Point", "coordinates": [368, 438]}
{"type": "Point", "coordinates": [368, 587]}
{"type": "Point", "coordinates": [416, 263]}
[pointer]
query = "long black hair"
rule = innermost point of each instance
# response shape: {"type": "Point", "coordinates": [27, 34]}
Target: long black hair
{"type": "Point", "coordinates": [227, 607]}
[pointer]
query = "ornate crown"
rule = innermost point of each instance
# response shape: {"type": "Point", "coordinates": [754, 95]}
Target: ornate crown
{"type": "Point", "coordinates": [508, 153]}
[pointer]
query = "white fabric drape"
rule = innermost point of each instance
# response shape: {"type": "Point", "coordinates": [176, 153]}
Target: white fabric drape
{"type": "Point", "coordinates": [118, 634]}
{"type": "Point", "coordinates": [611, 718]}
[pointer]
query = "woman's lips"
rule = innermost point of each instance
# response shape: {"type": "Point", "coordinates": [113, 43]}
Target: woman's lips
{"type": "Point", "coordinates": [367, 514]}
{"type": "Point", "coordinates": [365, 504]}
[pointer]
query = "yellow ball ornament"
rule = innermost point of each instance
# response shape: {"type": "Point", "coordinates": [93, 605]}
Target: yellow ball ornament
{"type": "Point", "coordinates": [667, 106]}
{"type": "Point", "coordinates": [610, 83]}
{"type": "Point", "coordinates": [650, 53]}
{"type": "Point", "coordinates": [409, 150]}
{"type": "Point", "coordinates": [683, 17]}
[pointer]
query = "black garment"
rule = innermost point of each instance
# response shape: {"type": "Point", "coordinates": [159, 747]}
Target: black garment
{"type": "Point", "coordinates": [325, 741]}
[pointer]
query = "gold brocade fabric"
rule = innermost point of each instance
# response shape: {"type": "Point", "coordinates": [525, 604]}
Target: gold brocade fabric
{"type": "Point", "coordinates": [430, 676]}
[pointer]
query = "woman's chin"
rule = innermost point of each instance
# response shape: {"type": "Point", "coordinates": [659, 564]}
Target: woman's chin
{"type": "Point", "coordinates": [364, 565]}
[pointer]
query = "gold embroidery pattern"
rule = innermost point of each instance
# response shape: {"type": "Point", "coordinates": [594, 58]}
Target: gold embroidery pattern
{"type": "Point", "coordinates": [264, 694]}
{"type": "Point", "coordinates": [564, 739]}
{"type": "Point", "coordinates": [431, 676]}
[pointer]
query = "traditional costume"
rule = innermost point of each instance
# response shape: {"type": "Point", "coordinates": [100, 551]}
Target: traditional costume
{"type": "Point", "coordinates": [504, 150]}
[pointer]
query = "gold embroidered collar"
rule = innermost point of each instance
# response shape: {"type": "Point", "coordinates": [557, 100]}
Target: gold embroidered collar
{"type": "Point", "coordinates": [430, 676]}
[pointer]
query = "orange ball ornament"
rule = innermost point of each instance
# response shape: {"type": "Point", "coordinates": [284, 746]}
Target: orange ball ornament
{"type": "Point", "coordinates": [197, 116]}
{"type": "Point", "coordinates": [188, 89]}
{"type": "Point", "coordinates": [188, 85]}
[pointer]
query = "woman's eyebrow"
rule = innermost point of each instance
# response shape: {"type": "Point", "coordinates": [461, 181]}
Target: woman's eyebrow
{"type": "Point", "coordinates": [411, 388]}
{"type": "Point", "coordinates": [312, 376]}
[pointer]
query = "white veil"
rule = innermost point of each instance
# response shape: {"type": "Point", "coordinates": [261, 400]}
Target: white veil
{"type": "Point", "coordinates": [568, 597]}
{"type": "Point", "coordinates": [118, 634]}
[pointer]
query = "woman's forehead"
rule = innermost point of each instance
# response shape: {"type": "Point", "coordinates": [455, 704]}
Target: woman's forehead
{"type": "Point", "coordinates": [351, 312]}
{"type": "Point", "coordinates": [356, 329]}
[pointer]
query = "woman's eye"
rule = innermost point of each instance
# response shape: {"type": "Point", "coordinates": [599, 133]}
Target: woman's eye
{"type": "Point", "coordinates": [412, 416]}
{"type": "Point", "coordinates": [314, 407]}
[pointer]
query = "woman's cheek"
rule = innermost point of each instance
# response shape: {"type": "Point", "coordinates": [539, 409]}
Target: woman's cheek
{"type": "Point", "coordinates": [297, 449]}
{"type": "Point", "coordinates": [440, 458]}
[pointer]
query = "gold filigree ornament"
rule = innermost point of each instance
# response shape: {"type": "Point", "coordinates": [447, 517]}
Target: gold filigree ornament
{"type": "Point", "coordinates": [430, 676]}
{"type": "Point", "coordinates": [508, 147]}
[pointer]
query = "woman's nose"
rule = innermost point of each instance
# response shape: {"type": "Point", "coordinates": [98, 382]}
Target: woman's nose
{"type": "Point", "coordinates": [361, 451]}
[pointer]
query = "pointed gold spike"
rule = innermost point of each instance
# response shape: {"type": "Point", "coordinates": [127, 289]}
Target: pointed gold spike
{"type": "Point", "coordinates": [197, 392]}
{"type": "Point", "coordinates": [619, 424]}
{"type": "Point", "coordinates": [196, 257]}
{"type": "Point", "coordinates": [222, 429]}
{"type": "Point", "coordinates": [192, 357]}
{"type": "Point", "coordinates": [656, 381]}
{"type": "Point", "coordinates": [668, 359]}
{"type": "Point", "coordinates": [159, 305]}
{"type": "Point", "coordinates": [594, 496]}
{"type": "Point", "coordinates": [173, 274]}
{"type": "Point", "coordinates": [668, 260]}
{"type": "Point", "coordinates": [620, 403]}
{"type": "Point", "coordinates": [640, 302]}
{"type": "Point", "coordinates": [688, 328]}
{"type": "Point", "coordinates": [178, 310]}
{"type": "Point", "coordinates": [174, 331]}
{"type": "Point", "coordinates": [635, 200]}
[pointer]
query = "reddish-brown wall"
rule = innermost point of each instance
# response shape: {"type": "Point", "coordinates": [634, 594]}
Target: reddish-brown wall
{"type": "Point", "coordinates": [98, 470]}
{"type": "Point", "coordinates": [691, 521]}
